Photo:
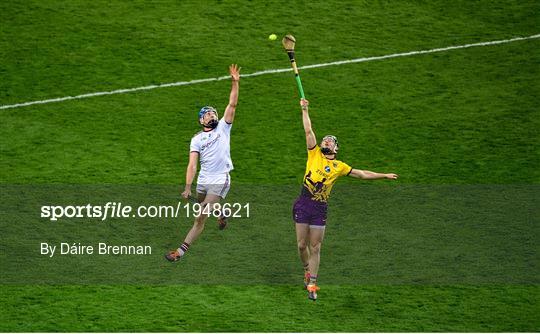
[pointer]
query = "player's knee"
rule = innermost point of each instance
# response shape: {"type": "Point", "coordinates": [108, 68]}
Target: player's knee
{"type": "Point", "coordinates": [201, 218]}
{"type": "Point", "coordinates": [302, 245]}
{"type": "Point", "coordinates": [199, 221]}
{"type": "Point", "coordinates": [315, 248]}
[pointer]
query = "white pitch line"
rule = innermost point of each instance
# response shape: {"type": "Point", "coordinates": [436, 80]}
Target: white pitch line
{"type": "Point", "coordinates": [335, 63]}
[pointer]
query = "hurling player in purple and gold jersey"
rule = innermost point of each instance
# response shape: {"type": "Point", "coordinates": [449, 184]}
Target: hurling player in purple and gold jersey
{"type": "Point", "coordinates": [309, 211]}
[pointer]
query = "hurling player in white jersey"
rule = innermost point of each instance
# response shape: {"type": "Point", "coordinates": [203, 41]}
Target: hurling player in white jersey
{"type": "Point", "coordinates": [212, 147]}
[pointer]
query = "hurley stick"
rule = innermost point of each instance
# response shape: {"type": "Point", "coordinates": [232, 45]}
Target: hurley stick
{"type": "Point", "coordinates": [288, 43]}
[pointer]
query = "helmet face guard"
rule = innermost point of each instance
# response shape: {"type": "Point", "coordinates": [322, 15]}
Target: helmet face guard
{"type": "Point", "coordinates": [212, 124]}
{"type": "Point", "coordinates": [326, 150]}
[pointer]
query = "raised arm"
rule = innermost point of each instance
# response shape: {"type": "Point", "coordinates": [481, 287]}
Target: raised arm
{"type": "Point", "coordinates": [191, 170]}
{"type": "Point", "coordinates": [368, 175]}
{"type": "Point", "coordinates": [311, 140]}
{"type": "Point", "coordinates": [234, 70]}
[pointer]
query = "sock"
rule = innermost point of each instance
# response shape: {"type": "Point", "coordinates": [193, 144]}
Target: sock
{"type": "Point", "coordinates": [183, 248]}
{"type": "Point", "coordinates": [313, 280]}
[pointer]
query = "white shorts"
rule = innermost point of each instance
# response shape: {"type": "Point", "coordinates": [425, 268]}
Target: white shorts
{"type": "Point", "coordinates": [218, 184]}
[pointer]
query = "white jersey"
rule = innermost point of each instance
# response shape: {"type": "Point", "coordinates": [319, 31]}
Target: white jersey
{"type": "Point", "coordinates": [214, 149]}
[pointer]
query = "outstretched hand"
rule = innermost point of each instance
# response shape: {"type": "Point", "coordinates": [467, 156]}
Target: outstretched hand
{"type": "Point", "coordinates": [234, 70]}
{"type": "Point", "coordinates": [391, 176]}
{"type": "Point", "coordinates": [304, 104]}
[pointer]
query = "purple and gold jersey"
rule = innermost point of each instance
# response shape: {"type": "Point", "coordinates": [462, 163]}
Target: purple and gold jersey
{"type": "Point", "coordinates": [321, 174]}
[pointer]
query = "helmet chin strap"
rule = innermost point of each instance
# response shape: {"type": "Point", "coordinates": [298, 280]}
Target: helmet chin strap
{"type": "Point", "coordinates": [327, 151]}
{"type": "Point", "coordinates": [212, 124]}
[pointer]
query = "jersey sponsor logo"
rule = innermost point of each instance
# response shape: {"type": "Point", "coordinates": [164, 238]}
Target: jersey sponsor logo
{"type": "Point", "coordinates": [321, 173]}
{"type": "Point", "coordinates": [210, 143]}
